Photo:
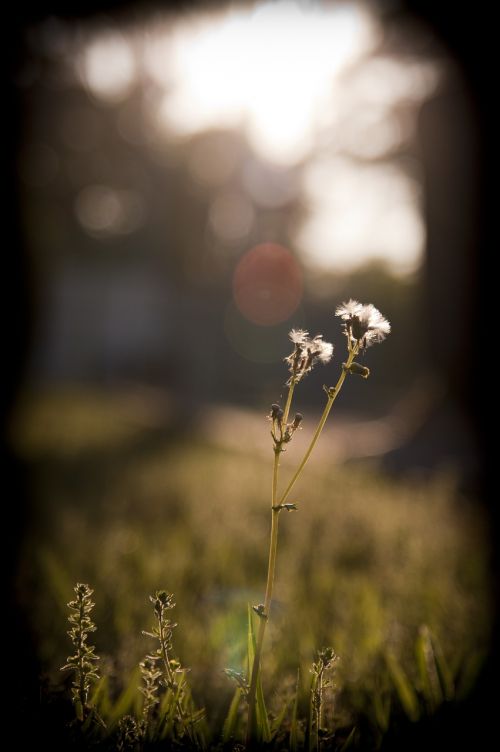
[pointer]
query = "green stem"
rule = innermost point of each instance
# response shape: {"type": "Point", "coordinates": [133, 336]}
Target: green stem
{"type": "Point", "coordinates": [81, 691]}
{"type": "Point", "coordinates": [319, 720]}
{"type": "Point", "coordinates": [273, 546]}
{"type": "Point", "coordinates": [271, 568]}
{"type": "Point", "coordinates": [163, 638]}
{"type": "Point", "coordinates": [322, 421]}
{"type": "Point", "coordinates": [286, 411]}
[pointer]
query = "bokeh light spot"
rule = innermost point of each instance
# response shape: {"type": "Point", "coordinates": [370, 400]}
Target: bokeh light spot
{"type": "Point", "coordinates": [213, 160]}
{"type": "Point", "coordinates": [268, 185]}
{"type": "Point", "coordinates": [108, 67]}
{"type": "Point", "coordinates": [267, 284]}
{"type": "Point", "coordinates": [231, 216]}
{"type": "Point", "coordinates": [102, 210]}
{"type": "Point", "coordinates": [384, 222]}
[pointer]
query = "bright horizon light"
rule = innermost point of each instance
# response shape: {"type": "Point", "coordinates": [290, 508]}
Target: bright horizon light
{"type": "Point", "coordinates": [268, 70]}
{"type": "Point", "coordinates": [312, 90]}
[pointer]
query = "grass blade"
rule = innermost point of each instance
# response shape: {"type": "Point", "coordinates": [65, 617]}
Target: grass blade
{"type": "Point", "coordinates": [382, 709]}
{"type": "Point", "coordinates": [231, 722]}
{"type": "Point", "coordinates": [426, 662]}
{"type": "Point", "coordinates": [172, 709]}
{"type": "Point", "coordinates": [261, 716]}
{"type": "Point", "coordinates": [128, 698]}
{"type": "Point", "coordinates": [276, 724]}
{"type": "Point", "coordinates": [404, 689]}
{"type": "Point", "coordinates": [100, 698]}
{"type": "Point", "coordinates": [443, 668]}
{"type": "Point", "coordinates": [309, 740]}
{"type": "Point", "coordinates": [250, 644]}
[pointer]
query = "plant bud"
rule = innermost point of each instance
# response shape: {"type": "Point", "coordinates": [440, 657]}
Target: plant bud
{"type": "Point", "coordinates": [360, 370]}
{"type": "Point", "coordinates": [276, 412]}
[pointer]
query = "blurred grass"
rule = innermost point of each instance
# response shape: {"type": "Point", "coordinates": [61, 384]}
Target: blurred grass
{"type": "Point", "coordinates": [124, 503]}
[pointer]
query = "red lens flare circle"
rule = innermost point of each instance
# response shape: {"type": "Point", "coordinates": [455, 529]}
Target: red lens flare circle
{"type": "Point", "coordinates": [267, 284]}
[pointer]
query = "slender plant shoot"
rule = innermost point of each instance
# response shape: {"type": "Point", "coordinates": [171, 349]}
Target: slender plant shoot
{"type": "Point", "coordinates": [83, 661]}
{"type": "Point", "coordinates": [362, 325]}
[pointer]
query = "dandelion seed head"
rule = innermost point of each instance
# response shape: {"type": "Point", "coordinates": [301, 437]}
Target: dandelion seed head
{"type": "Point", "coordinates": [377, 321]}
{"type": "Point", "coordinates": [323, 351]}
{"type": "Point", "coordinates": [349, 309]}
{"type": "Point", "coordinates": [298, 336]}
{"type": "Point", "coordinates": [307, 353]}
{"type": "Point", "coordinates": [363, 324]}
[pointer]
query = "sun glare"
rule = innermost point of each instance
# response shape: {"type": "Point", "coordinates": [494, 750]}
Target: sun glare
{"type": "Point", "coordinates": [312, 89]}
{"type": "Point", "coordinates": [269, 70]}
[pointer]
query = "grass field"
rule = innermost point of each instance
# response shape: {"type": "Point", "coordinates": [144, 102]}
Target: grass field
{"type": "Point", "coordinates": [369, 564]}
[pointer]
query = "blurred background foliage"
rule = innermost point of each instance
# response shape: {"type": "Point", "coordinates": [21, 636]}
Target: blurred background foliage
{"type": "Point", "coordinates": [193, 184]}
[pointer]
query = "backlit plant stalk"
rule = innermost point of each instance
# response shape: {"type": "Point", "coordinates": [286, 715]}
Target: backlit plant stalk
{"type": "Point", "coordinates": [362, 325]}
{"type": "Point", "coordinates": [160, 668]}
{"type": "Point", "coordinates": [82, 662]}
{"type": "Point", "coordinates": [326, 660]}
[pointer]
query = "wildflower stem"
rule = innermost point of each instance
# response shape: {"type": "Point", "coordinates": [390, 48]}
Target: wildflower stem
{"type": "Point", "coordinates": [276, 464]}
{"type": "Point", "coordinates": [319, 712]}
{"type": "Point", "coordinates": [82, 692]}
{"type": "Point", "coordinates": [164, 650]}
{"type": "Point", "coordinates": [273, 546]}
{"type": "Point", "coordinates": [271, 568]}
{"type": "Point", "coordinates": [163, 639]}
{"type": "Point", "coordinates": [331, 399]}
{"type": "Point", "coordinates": [288, 404]}
{"type": "Point", "coordinates": [82, 662]}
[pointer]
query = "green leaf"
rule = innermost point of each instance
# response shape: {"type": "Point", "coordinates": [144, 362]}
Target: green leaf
{"type": "Point", "coordinates": [177, 706]}
{"type": "Point", "coordinates": [444, 671]}
{"type": "Point", "coordinates": [126, 700]}
{"type": "Point", "coordinates": [309, 740]}
{"type": "Point", "coordinates": [100, 697]}
{"type": "Point", "coordinates": [426, 660]}
{"type": "Point", "coordinates": [276, 724]}
{"type": "Point", "coordinates": [382, 708]}
{"type": "Point", "coordinates": [406, 693]}
{"type": "Point", "coordinates": [169, 718]}
{"type": "Point", "coordinates": [165, 709]}
{"type": "Point", "coordinates": [229, 728]}
{"type": "Point", "coordinates": [182, 702]}
{"type": "Point", "coordinates": [250, 644]}
{"type": "Point", "coordinates": [261, 716]}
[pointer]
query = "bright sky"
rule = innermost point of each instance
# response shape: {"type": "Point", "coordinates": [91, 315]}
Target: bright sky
{"type": "Point", "coordinates": [308, 85]}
